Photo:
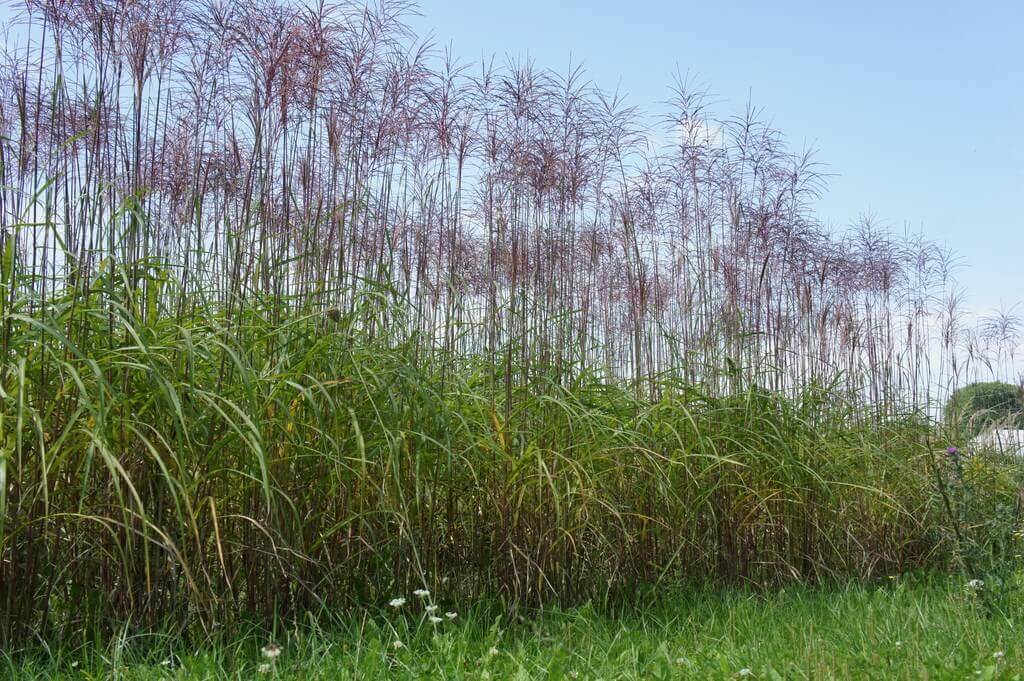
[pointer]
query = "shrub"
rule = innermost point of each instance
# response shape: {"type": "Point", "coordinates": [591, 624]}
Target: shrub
{"type": "Point", "coordinates": [978, 406]}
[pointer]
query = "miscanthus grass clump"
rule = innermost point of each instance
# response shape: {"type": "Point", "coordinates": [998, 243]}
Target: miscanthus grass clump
{"type": "Point", "coordinates": [296, 313]}
{"type": "Point", "coordinates": [192, 473]}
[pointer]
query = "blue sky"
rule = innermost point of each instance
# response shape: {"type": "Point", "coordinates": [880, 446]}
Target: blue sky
{"type": "Point", "coordinates": [916, 107]}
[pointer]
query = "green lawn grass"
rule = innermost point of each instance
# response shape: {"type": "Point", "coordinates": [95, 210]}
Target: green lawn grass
{"type": "Point", "coordinates": [907, 628]}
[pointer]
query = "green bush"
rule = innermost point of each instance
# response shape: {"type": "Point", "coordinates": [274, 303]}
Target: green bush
{"type": "Point", "coordinates": [978, 406]}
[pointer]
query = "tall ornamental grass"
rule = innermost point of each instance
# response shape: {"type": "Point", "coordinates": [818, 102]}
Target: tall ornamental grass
{"type": "Point", "coordinates": [189, 473]}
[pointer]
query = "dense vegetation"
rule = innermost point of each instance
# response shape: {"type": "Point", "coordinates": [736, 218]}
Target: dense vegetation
{"type": "Point", "coordinates": [297, 316]}
{"type": "Point", "coordinates": [188, 471]}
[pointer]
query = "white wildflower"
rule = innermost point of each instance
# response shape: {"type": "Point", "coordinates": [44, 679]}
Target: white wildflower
{"type": "Point", "coordinates": [451, 615]}
{"type": "Point", "coordinates": [435, 620]}
{"type": "Point", "coordinates": [975, 584]}
{"type": "Point", "coordinates": [397, 645]}
{"type": "Point", "coordinates": [431, 609]}
{"type": "Point", "coordinates": [397, 602]}
{"type": "Point", "coordinates": [264, 668]}
{"type": "Point", "coordinates": [270, 651]}
{"type": "Point", "coordinates": [999, 655]}
{"type": "Point", "coordinates": [421, 593]}
{"type": "Point", "coordinates": [493, 651]}
{"type": "Point", "coordinates": [746, 672]}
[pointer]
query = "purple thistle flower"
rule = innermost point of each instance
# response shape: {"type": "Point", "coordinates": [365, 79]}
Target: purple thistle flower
{"type": "Point", "coordinates": [952, 451]}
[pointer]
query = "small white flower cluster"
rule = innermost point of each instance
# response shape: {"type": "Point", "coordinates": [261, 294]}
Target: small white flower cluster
{"type": "Point", "coordinates": [270, 652]}
{"type": "Point", "coordinates": [975, 585]}
{"type": "Point", "coordinates": [430, 608]}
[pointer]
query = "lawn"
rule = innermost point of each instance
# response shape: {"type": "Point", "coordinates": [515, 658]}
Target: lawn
{"type": "Point", "coordinates": [909, 627]}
